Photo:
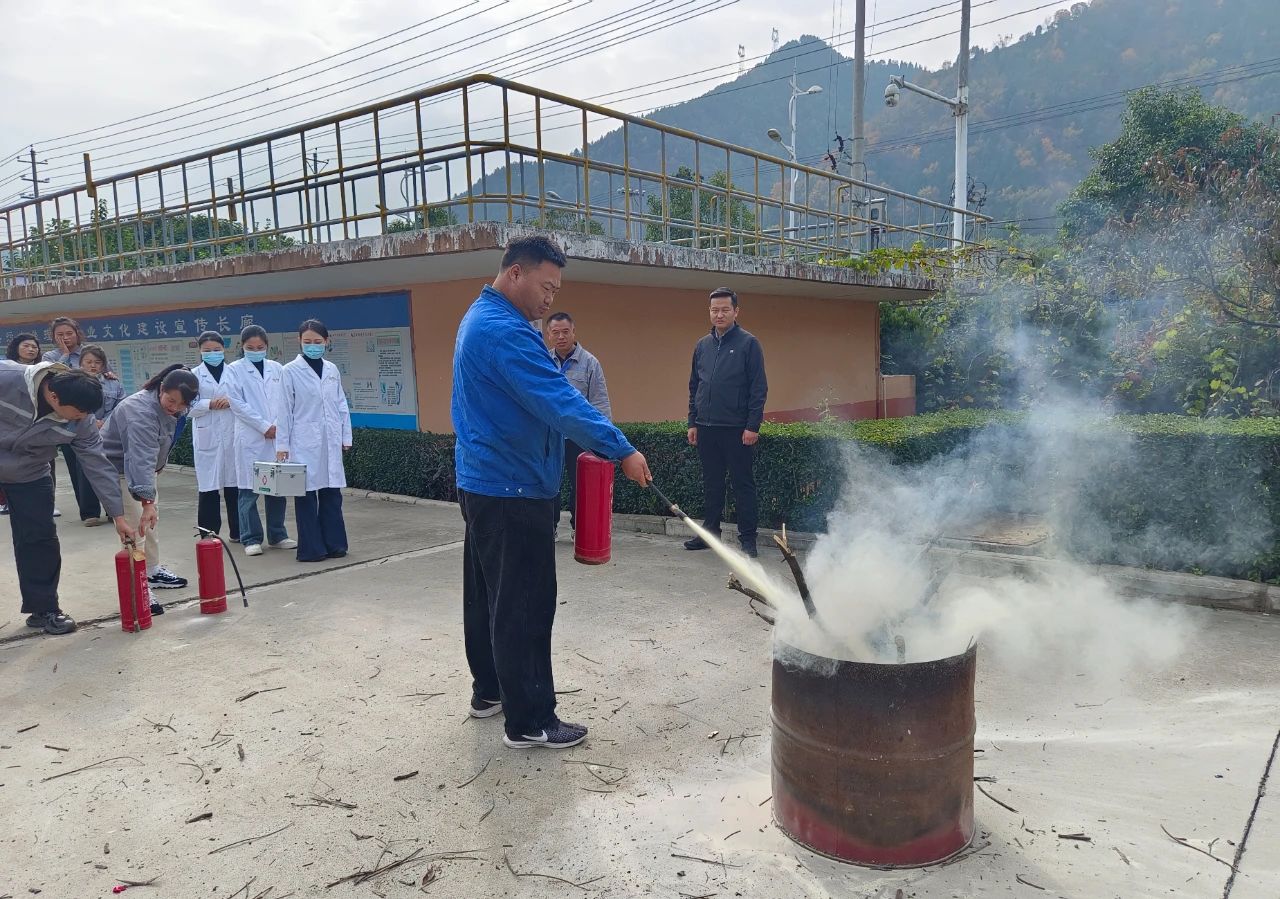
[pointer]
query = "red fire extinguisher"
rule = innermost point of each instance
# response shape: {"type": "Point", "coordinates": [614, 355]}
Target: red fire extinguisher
{"type": "Point", "coordinates": [133, 590]}
{"type": "Point", "coordinates": [593, 510]}
{"type": "Point", "coordinates": [213, 580]}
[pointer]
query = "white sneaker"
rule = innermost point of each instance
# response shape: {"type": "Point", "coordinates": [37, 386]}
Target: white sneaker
{"type": "Point", "coordinates": [253, 549]}
{"type": "Point", "coordinates": [57, 514]}
{"type": "Point", "coordinates": [286, 543]}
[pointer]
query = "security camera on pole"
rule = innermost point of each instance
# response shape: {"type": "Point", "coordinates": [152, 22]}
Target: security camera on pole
{"type": "Point", "coordinates": [775, 135]}
{"type": "Point", "coordinates": [960, 110]}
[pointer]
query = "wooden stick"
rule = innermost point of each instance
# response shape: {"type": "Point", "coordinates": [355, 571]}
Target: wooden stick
{"type": "Point", "coordinates": [995, 800]}
{"type": "Point", "coordinates": [114, 758]}
{"type": "Point", "coordinates": [581, 886]}
{"type": "Point", "coordinates": [361, 876]}
{"type": "Point", "coordinates": [249, 840]}
{"type": "Point", "coordinates": [483, 768]}
{"type": "Point", "coordinates": [1020, 879]}
{"type": "Point", "coordinates": [735, 584]}
{"type": "Point", "coordinates": [796, 572]}
{"type": "Point", "coordinates": [1182, 841]}
{"type": "Point", "coordinates": [708, 861]}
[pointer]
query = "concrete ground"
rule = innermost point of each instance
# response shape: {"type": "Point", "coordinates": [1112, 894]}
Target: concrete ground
{"type": "Point", "coordinates": [275, 750]}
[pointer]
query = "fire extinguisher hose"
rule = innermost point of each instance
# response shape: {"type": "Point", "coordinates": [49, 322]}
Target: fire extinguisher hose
{"type": "Point", "coordinates": [133, 587]}
{"type": "Point", "coordinates": [204, 532]}
{"type": "Point", "coordinates": [675, 510]}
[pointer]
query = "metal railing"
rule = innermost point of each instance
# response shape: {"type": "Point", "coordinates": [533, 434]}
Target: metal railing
{"type": "Point", "coordinates": [476, 149]}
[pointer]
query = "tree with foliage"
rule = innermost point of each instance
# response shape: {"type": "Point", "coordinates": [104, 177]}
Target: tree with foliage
{"type": "Point", "coordinates": [437, 217]}
{"type": "Point", "coordinates": [724, 222]}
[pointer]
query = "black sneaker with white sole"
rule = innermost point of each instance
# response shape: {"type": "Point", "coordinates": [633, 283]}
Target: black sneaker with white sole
{"type": "Point", "coordinates": [484, 708]}
{"type": "Point", "coordinates": [164, 579]}
{"type": "Point", "coordinates": [561, 735]}
{"type": "Point", "coordinates": [55, 623]}
{"type": "Point", "coordinates": [157, 609]}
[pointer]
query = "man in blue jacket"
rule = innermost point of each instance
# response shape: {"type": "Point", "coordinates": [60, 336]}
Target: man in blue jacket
{"type": "Point", "coordinates": [512, 411]}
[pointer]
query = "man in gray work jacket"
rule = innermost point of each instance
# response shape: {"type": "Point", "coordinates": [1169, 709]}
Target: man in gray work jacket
{"type": "Point", "coordinates": [584, 372]}
{"type": "Point", "coordinates": [727, 391]}
{"type": "Point", "coordinates": [42, 407]}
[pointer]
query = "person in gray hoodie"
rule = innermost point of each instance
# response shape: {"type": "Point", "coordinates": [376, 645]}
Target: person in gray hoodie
{"type": "Point", "coordinates": [42, 407]}
{"type": "Point", "coordinates": [136, 439]}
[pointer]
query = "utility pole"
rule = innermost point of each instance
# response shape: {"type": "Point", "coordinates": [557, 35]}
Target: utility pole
{"type": "Point", "coordinates": [36, 181]}
{"type": "Point", "coordinates": [859, 103]}
{"type": "Point", "coordinates": [961, 113]}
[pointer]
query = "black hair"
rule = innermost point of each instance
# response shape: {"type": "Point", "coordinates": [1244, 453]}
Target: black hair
{"type": "Point", "coordinates": [313, 324]}
{"type": "Point", "coordinates": [532, 251]}
{"type": "Point", "coordinates": [209, 335]}
{"type": "Point", "coordinates": [12, 352]}
{"type": "Point", "coordinates": [559, 317]}
{"type": "Point", "coordinates": [254, 331]}
{"type": "Point", "coordinates": [176, 377]}
{"type": "Point", "coordinates": [92, 349]}
{"type": "Point", "coordinates": [725, 292]}
{"type": "Point", "coordinates": [76, 388]}
{"type": "Point", "coordinates": [65, 320]}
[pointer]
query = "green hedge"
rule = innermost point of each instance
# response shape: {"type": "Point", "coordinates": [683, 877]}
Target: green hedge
{"type": "Point", "coordinates": [1163, 491]}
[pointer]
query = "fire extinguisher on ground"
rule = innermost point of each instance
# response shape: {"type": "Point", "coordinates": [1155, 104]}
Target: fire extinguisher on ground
{"type": "Point", "coordinates": [593, 510]}
{"type": "Point", "coordinates": [132, 589]}
{"type": "Point", "coordinates": [213, 581]}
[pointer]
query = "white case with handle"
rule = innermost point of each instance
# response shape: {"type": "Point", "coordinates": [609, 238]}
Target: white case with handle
{"type": "Point", "coordinates": [280, 478]}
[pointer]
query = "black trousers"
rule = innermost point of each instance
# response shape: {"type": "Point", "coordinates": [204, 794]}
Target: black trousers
{"type": "Point", "coordinates": [509, 605]}
{"type": "Point", "coordinates": [571, 453]}
{"type": "Point", "coordinates": [35, 543]}
{"type": "Point", "coordinates": [723, 453]}
{"type": "Point", "coordinates": [209, 513]}
{"type": "Point", "coordinates": [321, 530]}
{"type": "Point", "coordinates": [86, 499]}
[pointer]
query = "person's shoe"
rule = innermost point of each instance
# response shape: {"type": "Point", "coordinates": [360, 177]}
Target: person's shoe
{"type": "Point", "coordinates": [286, 543]}
{"type": "Point", "coordinates": [253, 549]}
{"type": "Point", "coordinates": [749, 547]}
{"type": "Point", "coordinates": [35, 619]}
{"type": "Point", "coordinates": [55, 623]}
{"type": "Point", "coordinates": [233, 539]}
{"type": "Point", "coordinates": [561, 736]}
{"type": "Point", "coordinates": [484, 708]}
{"type": "Point", "coordinates": [164, 579]}
{"type": "Point", "coordinates": [338, 554]}
{"type": "Point", "coordinates": [91, 522]}
{"type": "Point", "coordinates": [4, 508]}
{"type": "Point", "coordinates": [696, 543]}
{"type": "Point", "coordinates": [57, 514]}
{"type": "Point", "coordinates": [157, 609]}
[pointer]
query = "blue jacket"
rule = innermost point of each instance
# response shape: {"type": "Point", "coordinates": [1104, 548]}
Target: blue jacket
{"type": "Point", "coordinates": [511, 407]}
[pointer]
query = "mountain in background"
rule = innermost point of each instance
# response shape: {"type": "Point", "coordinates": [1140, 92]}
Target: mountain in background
{"type": "Point", "coordinates": [1039, 102]}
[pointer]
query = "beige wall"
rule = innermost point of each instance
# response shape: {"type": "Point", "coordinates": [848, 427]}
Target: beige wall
{"type": "Point", "coordinates": [816, 350]}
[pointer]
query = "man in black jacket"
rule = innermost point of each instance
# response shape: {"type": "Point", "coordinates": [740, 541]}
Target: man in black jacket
{"type": "Point", "coordinates": [727, 390]}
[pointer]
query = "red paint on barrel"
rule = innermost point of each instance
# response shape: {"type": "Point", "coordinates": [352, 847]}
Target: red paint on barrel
{"type": "Point", "coordinates": [593, 510]}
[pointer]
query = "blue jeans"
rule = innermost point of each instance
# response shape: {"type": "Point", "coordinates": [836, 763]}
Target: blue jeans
{"type": "Point", "coordinates": [321, 531]}
{"type": "Point", "coordinates": [251, 524]}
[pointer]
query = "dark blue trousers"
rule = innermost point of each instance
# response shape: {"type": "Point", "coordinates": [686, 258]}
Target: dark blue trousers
{"type": "Point", "coordinates": [321, 531]}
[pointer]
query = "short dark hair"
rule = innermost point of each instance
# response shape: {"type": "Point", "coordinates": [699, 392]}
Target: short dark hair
{"type": "Point", "coordinates": [559, 317]}
{"type": "Point", "coordinates": [725, 292]}
{"type": "Point", "coordinates": [313, 324]}
{"type": "Point", "coordinates": [92, 349]}
{"type": "Point", "coordinates": [12, 352]}
{"type": "Point", "coordinates": [532, 251]}
{"type": "Point", "coordinates": [252, 331]}
{"type": "Point", "coordinates": [76, 388]}
{"type": "Point", "coordinates": [209, 335]}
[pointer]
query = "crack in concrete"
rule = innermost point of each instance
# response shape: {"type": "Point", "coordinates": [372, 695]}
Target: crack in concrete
{"type": "Point", "coordinates": [349, 566]}
{"type": "Point", "coordinates": [1257, 802]}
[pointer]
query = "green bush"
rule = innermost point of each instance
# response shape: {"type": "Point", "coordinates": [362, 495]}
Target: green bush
{"type": "Point", "coordinates": [1184, 494]}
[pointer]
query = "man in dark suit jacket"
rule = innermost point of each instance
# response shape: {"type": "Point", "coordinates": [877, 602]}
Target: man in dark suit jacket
{"type": "Point", "coordinates": [727, 391]}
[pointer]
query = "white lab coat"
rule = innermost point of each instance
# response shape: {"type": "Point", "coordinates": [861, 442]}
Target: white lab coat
{"type": "Point", "coordinates": [257, 401]}
{"type": "Point", "coordinates": [315, 423]}
{"type": "Point", "coordinates": [213, 433]}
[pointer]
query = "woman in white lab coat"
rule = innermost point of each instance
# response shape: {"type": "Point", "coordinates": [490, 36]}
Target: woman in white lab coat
{"type": "Point", "coordinates": [315, 429]}
{"type": "Point", "coordinates": [213, 437]}
{"type": "Point", "coordinates": [255, 389]}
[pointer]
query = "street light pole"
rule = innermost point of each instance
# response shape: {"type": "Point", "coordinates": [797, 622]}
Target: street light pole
{"type": "Point", "coordinates": [959, 105]}
{"type": "Point", "coordinates": [791, 148]}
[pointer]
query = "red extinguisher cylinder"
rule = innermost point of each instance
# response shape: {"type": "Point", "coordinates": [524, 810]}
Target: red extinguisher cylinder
{"type": "Point", "coordinates": [133, 564]}
{"type": "Point", "coordinates": [593, 510]}
{"type": "Point", "coordinates": [213, 580]}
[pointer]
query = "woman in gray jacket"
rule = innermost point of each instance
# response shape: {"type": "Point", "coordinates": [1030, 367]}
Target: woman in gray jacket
{"type": "Point", "coordinates": [136, 440]}
{"type": "Point", "coordinates": [93, 359]}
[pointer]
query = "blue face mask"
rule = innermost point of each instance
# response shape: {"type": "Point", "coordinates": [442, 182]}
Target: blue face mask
{"type": "Point", "coordinates": [214, 358]}
{"type": "Point", "coordinates": [256, 355]}
{"type": "Point", "coordinates": [313, 350]}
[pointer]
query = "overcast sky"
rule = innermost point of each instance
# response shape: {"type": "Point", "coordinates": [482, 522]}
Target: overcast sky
{"type": "Point", "coordinates": [68, 66]}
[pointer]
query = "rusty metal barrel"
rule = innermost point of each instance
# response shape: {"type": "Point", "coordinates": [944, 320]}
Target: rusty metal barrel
{"type": "Point", "coordinates": [873, 763]}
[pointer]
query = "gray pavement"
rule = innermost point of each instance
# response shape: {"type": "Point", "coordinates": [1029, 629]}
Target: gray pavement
{"type": "Point", "coordinates": [360, 680]}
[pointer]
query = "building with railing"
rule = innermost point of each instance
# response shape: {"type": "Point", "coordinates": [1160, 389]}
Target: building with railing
{"type": "Point", "coordinates": [387, 219]}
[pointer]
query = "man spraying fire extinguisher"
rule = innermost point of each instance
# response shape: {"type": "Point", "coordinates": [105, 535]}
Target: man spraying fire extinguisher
{"type": "Point", "coordinates": [512, 410]}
